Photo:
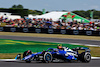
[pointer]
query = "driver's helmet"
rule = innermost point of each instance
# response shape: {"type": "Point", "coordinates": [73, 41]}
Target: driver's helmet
{"type": "Point", "coordinates": [59, 47]}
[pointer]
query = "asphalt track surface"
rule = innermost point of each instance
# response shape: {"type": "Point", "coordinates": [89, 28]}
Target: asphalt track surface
{"type": "Point", "coordinates": [93, 63]}
{"type": "Point", "coordinates": [91, 42]}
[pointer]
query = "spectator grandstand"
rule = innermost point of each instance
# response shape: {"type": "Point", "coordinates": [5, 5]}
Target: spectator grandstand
{"type": "Point", "coordinates": [48, 23]}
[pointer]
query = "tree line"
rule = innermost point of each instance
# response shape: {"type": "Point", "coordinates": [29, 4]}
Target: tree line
{"type": "Point", "coordinates": [86, 14]}
{"type": "Point", "coordinates": [19, 9]}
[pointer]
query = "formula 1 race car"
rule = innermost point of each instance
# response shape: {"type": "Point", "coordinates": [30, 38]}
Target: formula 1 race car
{"type": "Point", "coordinates": [62, 53]}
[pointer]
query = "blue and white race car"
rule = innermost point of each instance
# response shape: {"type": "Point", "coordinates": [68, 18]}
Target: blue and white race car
{"type": "Point", "coordinates": [61, 53]}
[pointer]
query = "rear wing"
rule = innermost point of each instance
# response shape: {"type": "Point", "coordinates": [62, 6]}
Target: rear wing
{"type": "Point", "coordinates": [82, 48]}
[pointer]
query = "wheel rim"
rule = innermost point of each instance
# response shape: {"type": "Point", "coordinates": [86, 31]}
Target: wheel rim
{"type": "Point", "coordinates": [88, 57]}
{"type": "Point", "coordinates": [48, 57]}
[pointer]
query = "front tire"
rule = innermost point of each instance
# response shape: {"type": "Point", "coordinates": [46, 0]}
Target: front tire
{"type": "Point", "coordinates": [28, 61]}
{"type": "Point", "coordinates": [47, 57]}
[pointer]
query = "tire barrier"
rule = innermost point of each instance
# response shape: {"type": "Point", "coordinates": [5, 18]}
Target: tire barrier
{"type": "Point", "coordinates": [75, 32]}
{"type": "Point", "coordinates": [12, 29]}
{"type": "Point", "coordinates": [50, 31]}
{"type": "Point", "coordinates": [1, 28]}
{"type": "Point", "coordinates": [38, 30]}
{"type": "Point", "coordinates": [63, 31]}
{"type": "Point", "coordinates": [25, 30]}
{"type": "Point", "coordinates": [89, 33]}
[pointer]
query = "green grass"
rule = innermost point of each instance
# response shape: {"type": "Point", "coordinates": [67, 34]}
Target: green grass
{"type": "Point", "coordinates": [19, 46]}
{"type": "Point", "coordinates": [10, 48]}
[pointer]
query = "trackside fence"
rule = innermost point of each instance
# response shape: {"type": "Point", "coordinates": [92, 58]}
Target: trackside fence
{"type": "Point", "coordinates": [50, 31]}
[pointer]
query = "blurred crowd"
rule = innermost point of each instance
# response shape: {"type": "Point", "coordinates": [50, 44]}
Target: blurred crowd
{"type": "Point", "coordinates": [48, 23]}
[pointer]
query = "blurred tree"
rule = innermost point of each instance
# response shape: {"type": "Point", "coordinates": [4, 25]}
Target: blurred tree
{"type": "Point", "coordinates": [86, 14]}
{"type": "Point", "coordinates": [64, 10]}
{"type": "Point", "coordinates": [96, 17]}
{"type": "Point", "coordinates": [35, 12]}
{"type": "Point", "coordinates": [14, 6]}
{"type": "Point", "coordinates": [20, 6]}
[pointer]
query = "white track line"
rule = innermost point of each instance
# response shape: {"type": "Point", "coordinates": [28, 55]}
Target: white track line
{"type": "Point", "coordinates": [8, 60]}
{"type": "Point", "coordinates": [85, 44]}
{"type": "Point", "coordinates": [93, 58]}
{"type": "Point", "coordinates": [78, 44]}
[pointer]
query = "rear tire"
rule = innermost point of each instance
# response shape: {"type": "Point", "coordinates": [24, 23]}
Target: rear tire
{"type": "Point", "coordinates": [85, 57]}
